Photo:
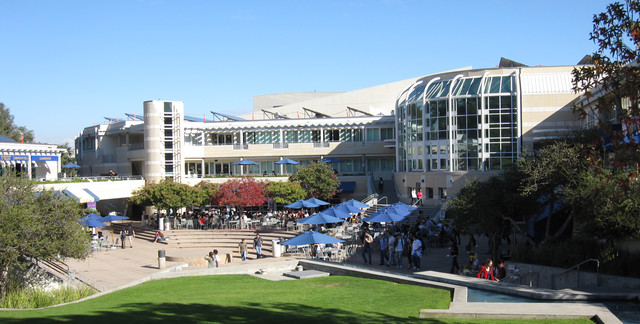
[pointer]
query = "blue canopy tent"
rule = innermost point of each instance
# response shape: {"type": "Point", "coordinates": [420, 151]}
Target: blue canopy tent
{"type": "Point", "coordinates": [71, 165]}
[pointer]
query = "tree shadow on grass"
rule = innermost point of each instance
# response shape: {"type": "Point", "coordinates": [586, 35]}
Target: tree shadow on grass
{"type": "Point", "coordinates": [207, 313]}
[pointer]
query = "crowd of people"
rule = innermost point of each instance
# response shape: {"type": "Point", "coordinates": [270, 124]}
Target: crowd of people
{"type": "Point", "coordinates": [394, 243]}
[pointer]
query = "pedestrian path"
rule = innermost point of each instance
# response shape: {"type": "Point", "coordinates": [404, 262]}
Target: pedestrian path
{"type": "Point", "coordinates": [119, 268]}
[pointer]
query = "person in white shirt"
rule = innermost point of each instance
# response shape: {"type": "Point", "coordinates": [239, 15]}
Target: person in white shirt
{"type": "Point", "coordinates": [416, 252]}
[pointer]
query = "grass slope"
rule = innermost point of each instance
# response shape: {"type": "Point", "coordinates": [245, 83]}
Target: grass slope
{"type": "Point", "coordinates": [246, 299]}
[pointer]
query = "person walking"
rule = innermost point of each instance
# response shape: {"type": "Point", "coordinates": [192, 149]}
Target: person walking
{"type": "Point", "coordinates": [384, 242]}
{"type": "Point", "coordinates": [367, 239]}
{"type": "Point", "coordinates": [131, 234]}
{"type": "Point", "coordinates": [242, 250]}
{"type": "Point", "coordinates": [416, 252]}
{"type": "Point", "coordinates": [397, 250]}
{"type": "Point", "coordinates": [380, 185]}
{"type": "Point", "coordinates": [257, 244]}
{"type": "Point", "coordinates": [123, 237]}
{"type": "Point", "coordinates": [453, 253]}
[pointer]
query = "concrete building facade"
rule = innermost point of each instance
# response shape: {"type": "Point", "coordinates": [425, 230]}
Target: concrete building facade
{"type": "Point", "coordinates": [434, 133]}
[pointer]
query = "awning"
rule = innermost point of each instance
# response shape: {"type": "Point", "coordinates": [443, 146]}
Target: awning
{"type": "Point", "coordinates": [81, 195]}
{"type": "Point", "coordinates": [347, 186]}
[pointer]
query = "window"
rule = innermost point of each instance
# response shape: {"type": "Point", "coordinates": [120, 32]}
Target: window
{"type": "Point", "coordinates": [332, 135]}
{"type": "Point", "coordinates": [386, 133]}
{"type": "Point", "coordinates": [292, 136]}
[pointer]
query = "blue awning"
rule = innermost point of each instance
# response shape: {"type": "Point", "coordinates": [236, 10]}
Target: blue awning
{"type": "Point", "coordinates": [347, 186]}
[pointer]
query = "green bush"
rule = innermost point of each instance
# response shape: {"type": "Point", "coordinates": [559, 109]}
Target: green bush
{"type": "Point", "coordinates": [36, 298]}
{"type": "Point", "coordinates": [566, 254]}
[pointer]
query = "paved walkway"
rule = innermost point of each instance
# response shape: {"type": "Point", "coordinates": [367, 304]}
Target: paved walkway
{"type": "Point", "coordinates": [116, 268]}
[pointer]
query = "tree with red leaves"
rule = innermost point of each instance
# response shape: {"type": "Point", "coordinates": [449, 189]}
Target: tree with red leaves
{"type": "Point", "coordinates": [241, 192]}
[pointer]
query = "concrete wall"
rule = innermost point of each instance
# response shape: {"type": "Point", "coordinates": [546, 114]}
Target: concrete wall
{"type": "Point", "coordinates": [551, 277]}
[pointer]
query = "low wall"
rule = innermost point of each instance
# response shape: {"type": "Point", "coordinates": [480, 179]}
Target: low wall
{"type": "Point", "coordinates": [457, 292]}
{"type": "Point", "coordinates": [552, 278]}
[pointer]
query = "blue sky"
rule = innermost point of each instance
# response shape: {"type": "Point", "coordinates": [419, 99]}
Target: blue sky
{"type": "Point", "coordinates": [65, 65]}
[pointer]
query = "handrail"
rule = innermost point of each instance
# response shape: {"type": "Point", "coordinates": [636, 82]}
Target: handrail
{"type": "Point", "coordinates": [370, 198]}
{"type": "Point", "coordinates": [577, 267]}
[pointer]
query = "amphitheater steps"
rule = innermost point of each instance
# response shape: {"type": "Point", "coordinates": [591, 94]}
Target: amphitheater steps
{"type": "Point", "coordinates": [223, 240]}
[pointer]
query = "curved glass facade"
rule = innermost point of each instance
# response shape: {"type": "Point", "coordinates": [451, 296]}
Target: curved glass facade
{"type": "Point", "coordinates": [461, 124]}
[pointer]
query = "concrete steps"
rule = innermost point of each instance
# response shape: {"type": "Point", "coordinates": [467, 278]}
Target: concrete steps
{"type": "Point", "coordinates": [224, 240]}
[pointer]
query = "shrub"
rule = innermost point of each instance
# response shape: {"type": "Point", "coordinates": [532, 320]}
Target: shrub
{"type": "Point", "coordinates": [36, 298]}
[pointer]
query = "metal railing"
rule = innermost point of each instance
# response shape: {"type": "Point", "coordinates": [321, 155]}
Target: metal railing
{"type": "Point", "coordinates": [577, 268]}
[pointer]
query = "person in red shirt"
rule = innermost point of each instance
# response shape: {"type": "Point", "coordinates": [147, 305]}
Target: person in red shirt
{"type": "Point", "coordinates": [486, 271]}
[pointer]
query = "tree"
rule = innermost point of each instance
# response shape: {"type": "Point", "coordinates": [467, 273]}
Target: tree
{"type": "Point", "coordinates": [606, 205]}
{"type": "Point", "coordinates": [10, 130]}
{"type": "Point", "coordinates": [36, 225]}
{"type": "Point", "coordinates": [486, 207]}
{"type": "Point", "coordinates": [549, 174]}
{"type": "Point", "coordinates": [207, 192]}
{"type": "Point", "coordinates": [241, 192]}
{"type": "Point", "coordinates": [284, 192]}
{"type": "Point", "coordinates": [318, 180]}
{"type": "Point", "coordinates": [166, 194]}
{"type": "Point", "coordinates": [613, 79]}
{"type": "Point", "coordinates": [66, 158]}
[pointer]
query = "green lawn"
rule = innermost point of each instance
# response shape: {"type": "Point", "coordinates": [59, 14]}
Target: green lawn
{"type": "Point", "coordinates": [245, 299]}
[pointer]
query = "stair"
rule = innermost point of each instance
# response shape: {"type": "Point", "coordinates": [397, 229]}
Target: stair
{"type": "Point", "coordinates": [224, 240]}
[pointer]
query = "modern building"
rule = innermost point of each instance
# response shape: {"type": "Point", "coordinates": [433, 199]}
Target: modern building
{"type": "Point", "coordinates": [434, 133]}
{"type": "Point", "coordinates": [459, 126]}
{"type": "Point", "coordinates": [37, 161]}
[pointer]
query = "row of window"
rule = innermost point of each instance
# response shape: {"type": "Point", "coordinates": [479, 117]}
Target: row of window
{"type": "Point", "coordinates": [294, 136]}
{"type": "Point", "coordinates": [347, 166]}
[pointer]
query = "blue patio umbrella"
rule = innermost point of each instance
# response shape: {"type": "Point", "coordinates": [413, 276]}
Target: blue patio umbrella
{"type": "Point", "coordinates": [245, 162]}
{"type": "Point", "coordinates": [357, 204]}
{"type": "Point", "coordinates": [312, 237]}
{"type": "Point", "coordinates": [405, 206]}
{"type": "Point", "coordinates": [301, 204]}
{"type": "Point", "coordinates": [320, 218]}
{"type": "Point", "coordinates": [91, 222]}
{"type": "Point", "coordinates": [91, 216]}
{"type": "Point", "coordinates": [396, 210]}
{"type": "Point", "coordinates": [331, 160]}
{"type": "Point", "coordinates": [336, 213]}
{"type": "Point", "coordinates": [287, 161]}
{"type": "Point", "coordinates": [110, 219]}
{"type": "Point", "coordinates": [113, 218]}
{"type": "Point", "coordinates": [71, 165]}
{"type": "Point", "coordinates": [382, 217]}
{"type": "Point", "coordinates": [347, 208]}
{"type": "Point", "coordinates": [317, 201]}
